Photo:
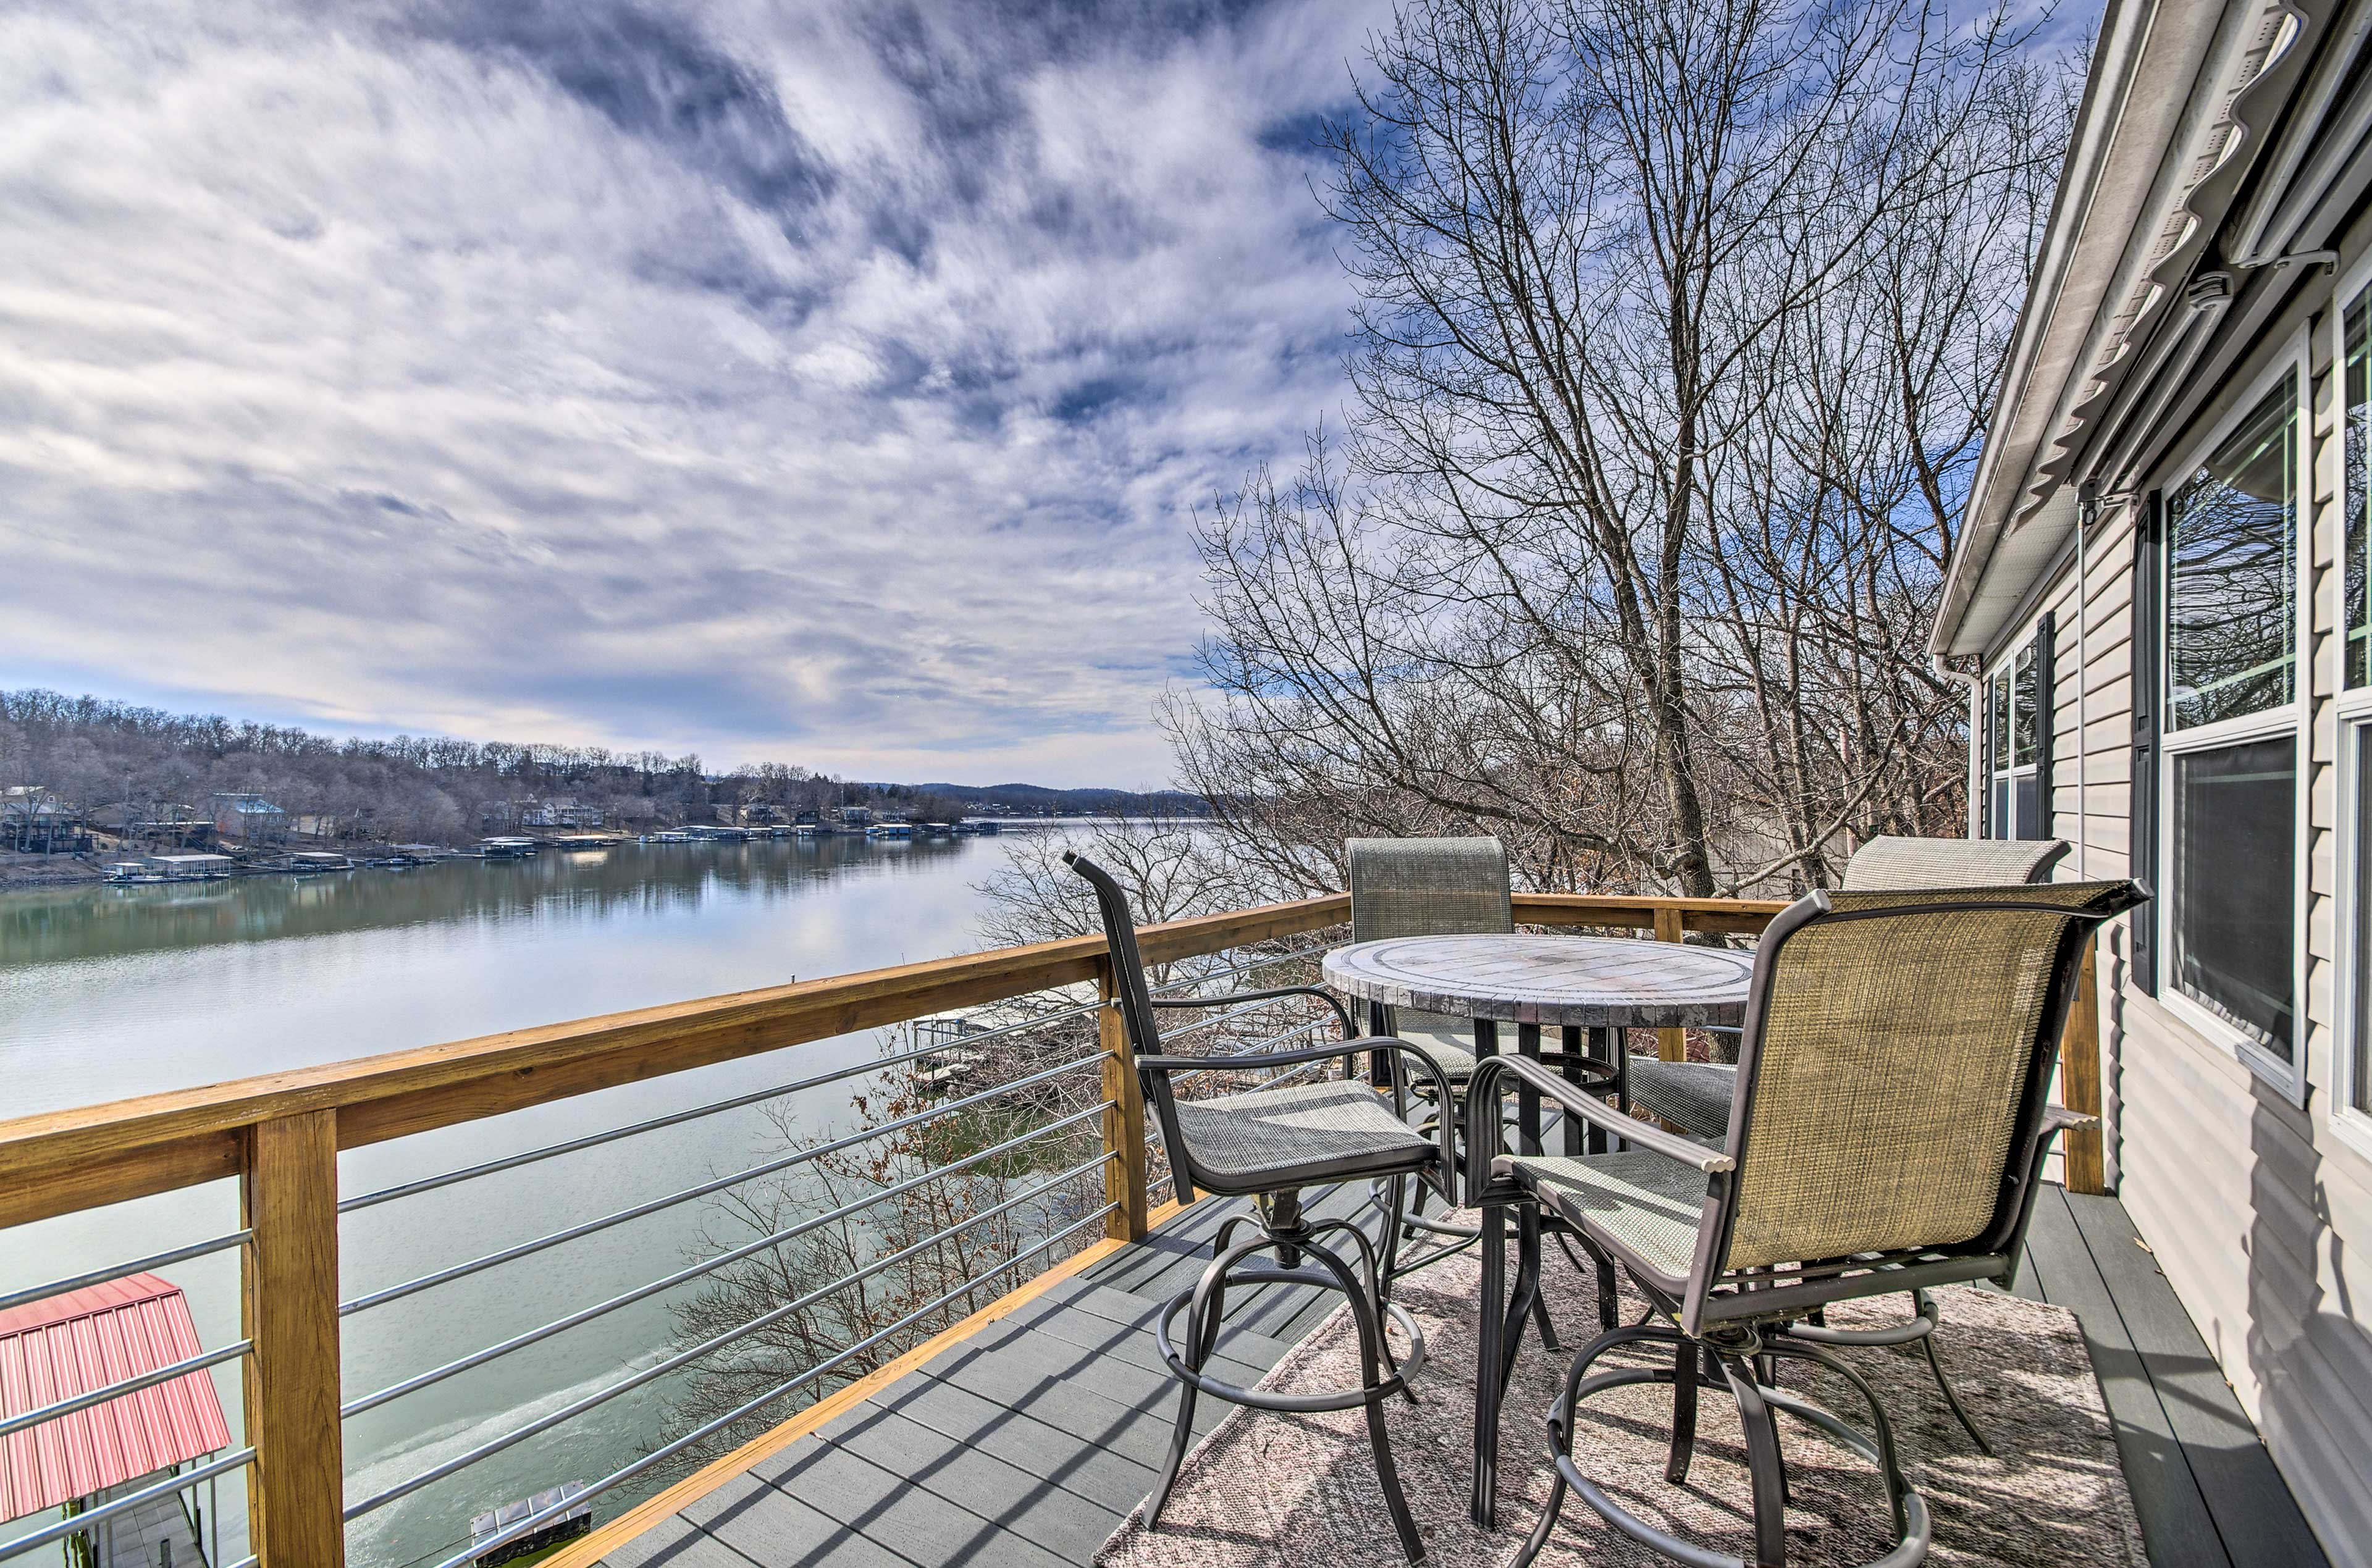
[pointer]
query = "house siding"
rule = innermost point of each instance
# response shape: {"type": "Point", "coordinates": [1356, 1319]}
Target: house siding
{"type": "Point", "coordinates": [2260, 1213]}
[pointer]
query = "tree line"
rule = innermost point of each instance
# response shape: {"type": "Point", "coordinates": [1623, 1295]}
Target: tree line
{"type": "Point", "coordinates": [102, 755]}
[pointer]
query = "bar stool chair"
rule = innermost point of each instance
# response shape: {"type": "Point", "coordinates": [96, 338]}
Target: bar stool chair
{"type": "Point", "coordinates": [1269, 1145]}
{"type": "Point", "coordinates": [1695, 1097]}
{"type": "Point", "coordinates": [1432, 886]}
{"type": "Point", "coordinates": [1889, 1134]}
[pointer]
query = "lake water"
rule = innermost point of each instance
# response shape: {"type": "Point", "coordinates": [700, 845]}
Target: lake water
{"type": "Point", "coordinates": [109, 991]}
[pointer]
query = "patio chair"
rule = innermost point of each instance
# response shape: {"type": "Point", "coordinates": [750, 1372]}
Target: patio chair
{"type": "Point", "coordinates": [1889, 1133]}
{"type": "Point", "coordinates": [1268, 1144]}
{"type": "Point", "coordinates": [1695, 1097]}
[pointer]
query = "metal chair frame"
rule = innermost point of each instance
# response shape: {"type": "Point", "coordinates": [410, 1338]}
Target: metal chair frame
{"type": "Point", "coordinates": [1736, 1322]}
{"type": "Point", "coordinates": [1283, 1229]}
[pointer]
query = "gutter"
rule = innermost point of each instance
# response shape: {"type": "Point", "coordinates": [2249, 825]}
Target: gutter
{"type": "Point", "coordinates": [2129, 298]}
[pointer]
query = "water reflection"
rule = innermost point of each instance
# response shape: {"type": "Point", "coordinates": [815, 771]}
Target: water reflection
{"type": "Point", "coordinates": [61, 924]}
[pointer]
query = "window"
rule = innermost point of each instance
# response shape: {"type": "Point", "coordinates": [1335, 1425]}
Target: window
{"type": "Point", "coordinates": [2359, 1076]}
{"type": "Point", "coordinates": [2358, 329]}
{"type": "Point", "coordinates": [2018, 742]}
{"type": "Point", "coordinates": [2231, 765]}
{"type": "Point", "coordinates": [2233, 938]}
{"type": "Point", "coordinates": [2231, 638]}
{"type": "Point", "coordinates": [2356, 700]}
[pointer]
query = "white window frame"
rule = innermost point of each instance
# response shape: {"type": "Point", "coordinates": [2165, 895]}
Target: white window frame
{"type": "Point", "coordinates": [2352, 709]}
{"type": "Point", "coordinates": [2293, 719]}
{"type": "Point", "coordinates": [2354, 720]}
{"type": "Point", "coordinates": [2006, 665]}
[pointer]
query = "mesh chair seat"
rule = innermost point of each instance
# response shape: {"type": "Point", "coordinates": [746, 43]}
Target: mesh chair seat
{"type": "Point", "coordinates": [1692, 1095]}
{"type": "Point", "coordinates": [1271, 1136]}
{"type": "Point", "coordinates": [1645, 1203]}
{"type": "Point", "coordinates": [1449, 1041]}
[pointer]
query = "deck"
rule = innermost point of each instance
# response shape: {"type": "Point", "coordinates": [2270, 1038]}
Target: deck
{"type": "Point", "coordinates": [1028, 1443]}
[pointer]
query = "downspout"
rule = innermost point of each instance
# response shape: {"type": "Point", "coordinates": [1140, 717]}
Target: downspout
{"type": "Point", "coordinates": [2087, 511]}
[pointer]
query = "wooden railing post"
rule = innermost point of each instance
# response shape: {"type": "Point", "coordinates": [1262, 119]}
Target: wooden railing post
{"type": "Point", "coordinates": [1671, 1045]}
{"type": "Point", "coordinates": [1123, 1115]}
{"type": "Point", "coordinates": [290, 1307]}
{"type": "Point", "coordinates": [2079, 1084]}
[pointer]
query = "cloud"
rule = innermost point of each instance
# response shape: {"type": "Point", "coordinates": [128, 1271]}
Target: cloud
{"type": "Point", "coordinates": [829, 385]}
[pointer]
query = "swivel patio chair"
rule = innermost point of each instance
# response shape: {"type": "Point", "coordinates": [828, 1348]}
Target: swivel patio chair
{"type": "Point", "coordinates": [1889, 1134]}
{"type": "Point", "coordinates": [1433, 887]}
{"type": "Point", "coordinates": [1268, 1144]}
{"type": "Point", "coordinates": [1695, 1097]}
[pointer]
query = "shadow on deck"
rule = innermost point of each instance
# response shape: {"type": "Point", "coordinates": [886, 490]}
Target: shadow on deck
{"type": "Point", "coordinates": [1028, 1443]}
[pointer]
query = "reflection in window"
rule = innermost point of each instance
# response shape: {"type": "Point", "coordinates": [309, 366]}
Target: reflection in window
{"type": "Point", "coordinates": [2359, 432]}
{"type": "Point", "coordinates": [2016, 705]}
{"type": "Point", "coordinates": [2231, 551]}
{"type": "Point", "coordinates": [2024, 746]}
{"type": "Point", "coordinates": [2234, 916]}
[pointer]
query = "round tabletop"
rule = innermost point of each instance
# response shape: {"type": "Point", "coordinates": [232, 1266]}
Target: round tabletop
{"type": "Point", "coordinates": [1597, 982]}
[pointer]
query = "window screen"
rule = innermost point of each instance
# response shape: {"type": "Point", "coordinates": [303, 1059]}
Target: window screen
{"type": "Point", "coordinates": [2361, 1078]}
{"type": "Point", "coordinates": [2234, 916]}
{"type": "Point", "coordinates": [2231, 572]}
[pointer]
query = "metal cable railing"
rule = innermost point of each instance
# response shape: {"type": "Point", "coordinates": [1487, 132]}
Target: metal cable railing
{"type": "Point", "coordinates": [83, 1401]}
{"type": "Point", "coordinates": [755, 1096]}
{"type": "Point", "coordinates": [706, 1430]}
{"type": "Point", "coordinates": [673, 1119]}
{"type": "Point", "coordinates": [1038, 1192]}
{"type": "Point", "coordinates": [709, 1265]}
{"type": "Point", "coordinates": [714, 1342]}
{"type": "Point", "coordinates": [117, 1270]}
{"type": "Point", "coordinates": [74, 1524]}
{"type": "Point", "coordinates": [717, 1184]}
{"type": "Point", "coordinates": [1218, 1063]}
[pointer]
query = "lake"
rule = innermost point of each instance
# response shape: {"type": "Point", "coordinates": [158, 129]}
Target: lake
{"type": "Point", "coordinates": [110, 992]}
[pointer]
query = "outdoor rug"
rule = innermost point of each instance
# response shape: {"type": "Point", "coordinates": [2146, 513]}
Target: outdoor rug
{"type": "Point", "coordinates": [1286, 1491]}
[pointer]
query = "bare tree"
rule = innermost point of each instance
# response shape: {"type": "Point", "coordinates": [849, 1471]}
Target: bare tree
{"type": "Point", "coordinates": [1674, 323]}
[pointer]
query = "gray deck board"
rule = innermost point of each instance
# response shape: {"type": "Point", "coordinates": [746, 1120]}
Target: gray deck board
{"type": "Point", "coordinates": [2256, 1519]}
{"type": "Point", "coordinates": [1028, 1444]}
{"type": "Point", "coordinates": [2176, 1525]}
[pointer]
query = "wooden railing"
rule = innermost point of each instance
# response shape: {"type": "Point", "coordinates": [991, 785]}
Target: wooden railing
{"type": "Point", "coordinates": [279, 1134]}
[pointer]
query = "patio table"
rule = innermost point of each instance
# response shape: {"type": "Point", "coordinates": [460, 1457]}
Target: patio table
{"type": "Point", "coordinates": [1582, 985]}
{"type": "Point", "coordinates": [1593, 985]}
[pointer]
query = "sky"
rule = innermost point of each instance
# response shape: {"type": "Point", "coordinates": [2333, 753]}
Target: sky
{"type": "Point", "coordinates": [810, 383]}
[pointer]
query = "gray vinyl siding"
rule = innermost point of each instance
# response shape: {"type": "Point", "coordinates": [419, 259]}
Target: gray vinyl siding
{"type": "Point", "coordinates": [2259, 1214]}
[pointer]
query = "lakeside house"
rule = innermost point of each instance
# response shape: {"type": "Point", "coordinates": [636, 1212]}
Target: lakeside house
{"type": "Point", "coordinates": [2160, 599]}
{"type": "Point", "coordinates": [249, 819]}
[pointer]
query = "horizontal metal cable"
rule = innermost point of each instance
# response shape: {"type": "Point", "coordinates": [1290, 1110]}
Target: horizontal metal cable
{"type": "Point", "coordinates": [717, 1184]}
{"type": "Point", "coordinates": [595, 1139]}
{"type": "Point", "coordinates": [1218, 1063]}
{"type": "Point", "coordinates": [1268, 962]}
{"type": "Point", "coordinates": [1233, 1013]}
{"type": "Point", "coordinates": [130, 1385]}
{"type": "Point", "coordinates": [714, 1107]}
{"type": "Point", "coordinates": [74, 1524]}
{"type": "Point", "coordinates": [684, 1357]}
{"type": "Point", "coordinates": [626, 1473]}
{"type": "Point", "coordinates": [117, 1270]}
{"type": "Point", "coordinates": [705, 1266]}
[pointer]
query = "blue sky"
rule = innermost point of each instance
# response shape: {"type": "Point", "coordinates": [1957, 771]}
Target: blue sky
{"type": "Point", "coordinates": [823, 384]}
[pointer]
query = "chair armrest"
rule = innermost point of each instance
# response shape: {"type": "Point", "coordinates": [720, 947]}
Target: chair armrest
{"type": "Point", "coordinates": [2059, 1118]}
{"type": "Point", "coordinates": [1484, 1090]}
{"type": "Point", "coordinates": [1349, 1029]}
